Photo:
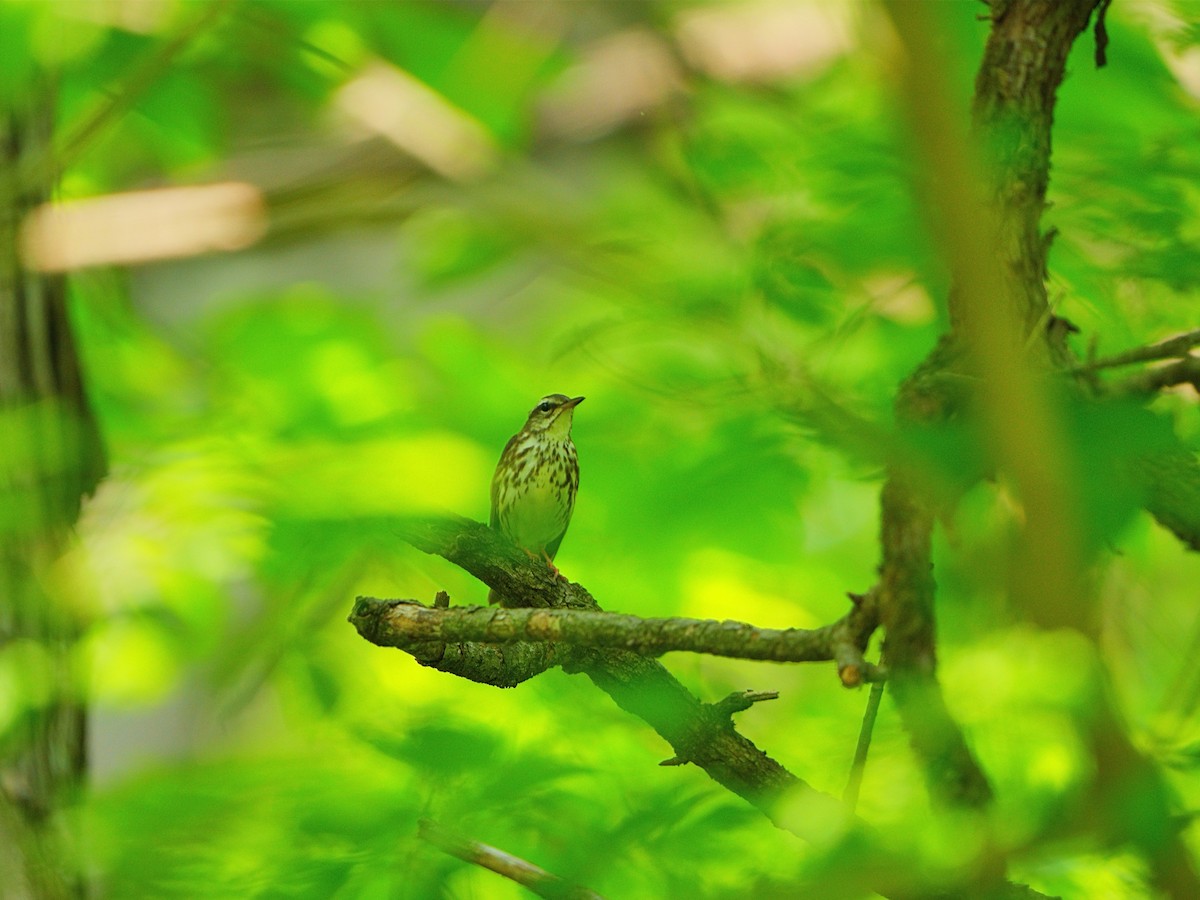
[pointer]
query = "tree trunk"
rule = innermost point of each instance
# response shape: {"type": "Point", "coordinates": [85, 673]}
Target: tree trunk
{"type": "Point", "coordinates": [50, 458]}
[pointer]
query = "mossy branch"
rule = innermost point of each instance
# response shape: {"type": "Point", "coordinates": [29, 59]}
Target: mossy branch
{"type": "Point", "coordinates": [412, 626]}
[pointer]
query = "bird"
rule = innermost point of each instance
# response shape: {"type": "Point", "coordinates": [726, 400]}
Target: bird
{"type": "Point", "coordinates": [536, 479]}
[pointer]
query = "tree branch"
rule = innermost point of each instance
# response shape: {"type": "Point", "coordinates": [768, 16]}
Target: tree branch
{"type": "Point", "coordinates": [393, 623]}
{"type": "Point", "coordinates": [907, 607]}
{"type": "Point", "coordinates": [421, 630]}
{"type": "Point", "coordinates": [1171, 348]}
{"type": "Point", "coordinates": [496, 561]}
{"type": "Point", "coordinates": [699, 733]}
{"type": "Point", "coordinates": [1151, 381]}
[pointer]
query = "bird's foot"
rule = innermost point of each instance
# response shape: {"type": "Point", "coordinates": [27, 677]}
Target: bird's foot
{"type": "Point", "coordinates": [553, 568]}
{"type": "Point", "coordinates": [544, 556]}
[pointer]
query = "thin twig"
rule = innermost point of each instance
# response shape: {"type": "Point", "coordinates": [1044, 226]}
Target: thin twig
{"type": "Point", "coordinates": [1150, 381]}
{"type": "Point", "coordinates": [1101, 34]}
{"type": "Point", "coordinates": [1171, 348]}
{"type": "Point", "coordinates": [533, 878]}
{"type": "Point", "coordinates": [52, 161]}
{"type": "Point", "coordinates": [859, 766]}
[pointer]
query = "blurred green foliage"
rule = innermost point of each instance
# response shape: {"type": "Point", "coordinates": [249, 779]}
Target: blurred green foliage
{"type": "Point", "coordinates": [707, 273]}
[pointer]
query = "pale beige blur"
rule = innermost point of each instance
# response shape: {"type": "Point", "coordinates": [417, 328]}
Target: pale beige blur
{"type": "Point", "coordinates": [420, 121]}
{"type": "Point", "coordinates": [618, 79]}
{"type": "Point", "coordinates": [762, 41]}
{"type": "Point", "coordinates": [143, 226]}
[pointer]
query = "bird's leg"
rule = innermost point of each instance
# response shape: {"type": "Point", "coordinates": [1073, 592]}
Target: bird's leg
{"type": "Point", "coordinates": [553, 568]}
{"type": "Point", "coordinates": [545, 556]}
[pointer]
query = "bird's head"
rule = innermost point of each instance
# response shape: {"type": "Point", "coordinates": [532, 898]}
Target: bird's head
{"type": "Point", "coordinates": [552, 415]}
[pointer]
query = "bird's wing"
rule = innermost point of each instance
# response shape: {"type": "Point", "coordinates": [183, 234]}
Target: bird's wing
{"type": "Point", "coordinates": [552, 547]}
{"type": "Point", "coordinates": [494, 518]}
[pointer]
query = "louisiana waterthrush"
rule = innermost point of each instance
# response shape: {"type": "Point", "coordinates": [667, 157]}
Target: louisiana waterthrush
{"type": "Point", "coordinates": [533, 490]}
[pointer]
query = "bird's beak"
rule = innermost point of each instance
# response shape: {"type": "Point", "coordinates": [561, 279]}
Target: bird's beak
{"type": "Point", "coordinates": [573, 402]}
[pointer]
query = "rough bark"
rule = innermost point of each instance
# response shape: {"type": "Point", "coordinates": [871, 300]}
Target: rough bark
{"type": "Point", "coordinates": [410, 625]}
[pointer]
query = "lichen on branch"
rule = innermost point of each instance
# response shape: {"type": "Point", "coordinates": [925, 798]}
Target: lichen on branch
{"type": "Point", "coordinates": [419, 629]}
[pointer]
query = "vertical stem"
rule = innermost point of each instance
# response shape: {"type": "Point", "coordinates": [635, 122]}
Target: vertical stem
{"type": "Point", "coordinates": [50, 461]}
{"type": "Point", "coordinates": [986, 214]}
{"type": "Point", "coordinates": [858, 766]}
{"type": "Point", "coordinates": [907, 606]}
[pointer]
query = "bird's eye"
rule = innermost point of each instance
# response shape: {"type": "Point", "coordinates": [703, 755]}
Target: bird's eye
{"type": "Point", "coordinates": [544, 406]}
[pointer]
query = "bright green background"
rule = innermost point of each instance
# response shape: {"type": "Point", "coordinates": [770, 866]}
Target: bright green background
{"type": "Point", "coordinates": [708, 276]}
